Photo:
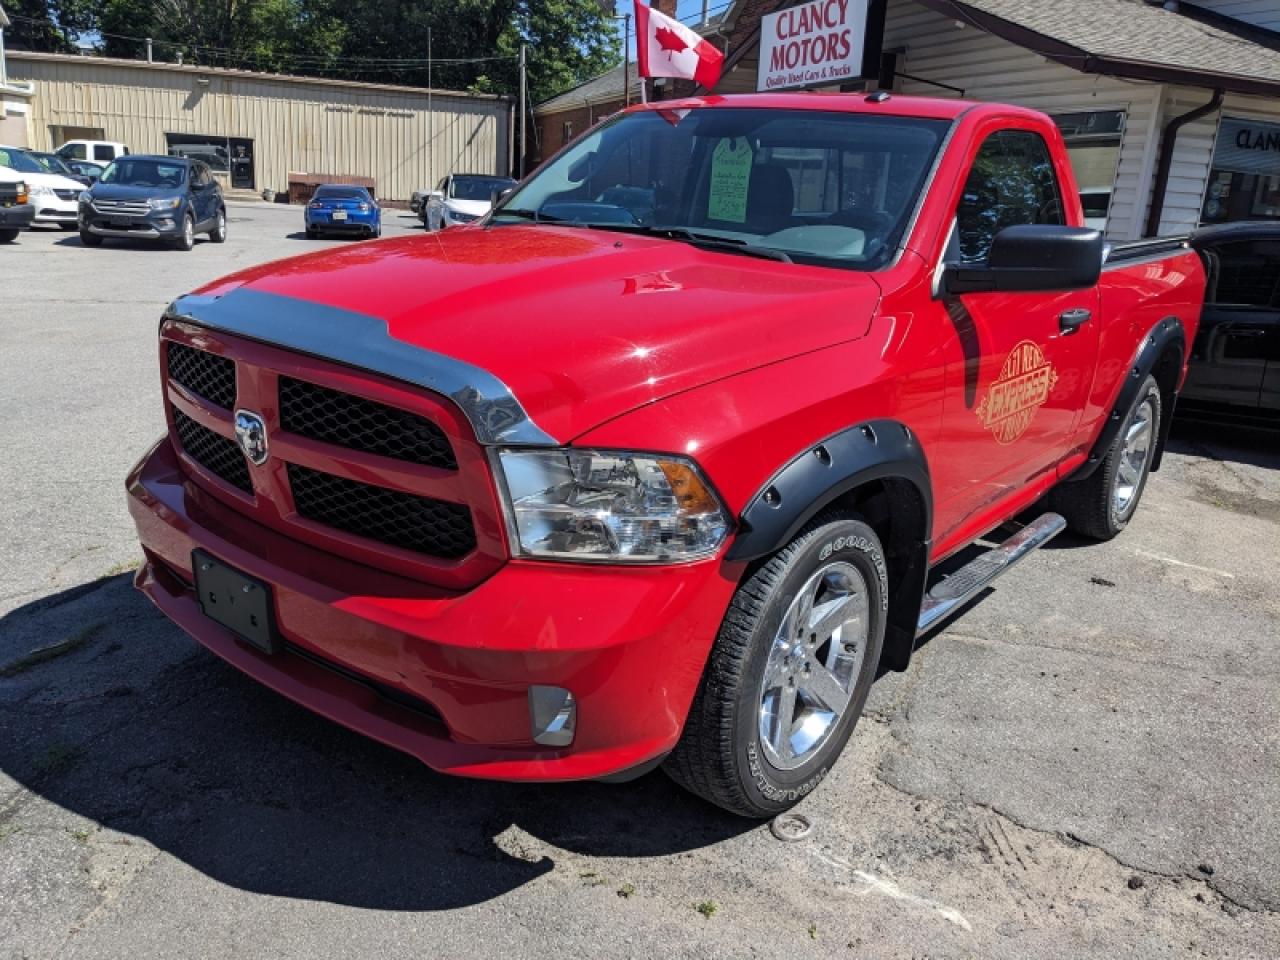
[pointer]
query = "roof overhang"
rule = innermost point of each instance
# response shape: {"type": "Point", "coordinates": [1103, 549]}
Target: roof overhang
{"type": "Point", "coordinates": [1086, 61]}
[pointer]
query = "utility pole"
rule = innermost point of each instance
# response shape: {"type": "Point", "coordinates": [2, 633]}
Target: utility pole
{"type": "Point", "coordinates": [431, 123]}
{"type": "Point", "coordinates": [524, 108]}
{"type": "Point", "coordinates": [626, 60]}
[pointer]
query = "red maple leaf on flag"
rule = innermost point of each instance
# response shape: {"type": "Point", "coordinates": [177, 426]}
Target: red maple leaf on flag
{"type": "Point", "coordinates": [670, 41]}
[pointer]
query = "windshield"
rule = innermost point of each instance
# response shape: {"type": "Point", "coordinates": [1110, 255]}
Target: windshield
{"type": "Point", "coordinates": [17, 160]}
{"type": "Point", "coordinates": [477, 188]}
{"type": "Point", "coordinates": [834, 189]}
{"type": "Point", "coordinates": [53, 163]}
{"type": "Point", "coordinates": [132, 172]}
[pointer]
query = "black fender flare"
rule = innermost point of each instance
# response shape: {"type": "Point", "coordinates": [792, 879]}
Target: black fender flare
{"type": "Point", "coordinates": [1168, 332]}
{"type": "Point", "coordinates": [820, 474]}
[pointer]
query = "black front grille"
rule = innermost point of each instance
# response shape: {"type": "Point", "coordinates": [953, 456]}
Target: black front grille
{"type": "Point", "coordinates": [213, 451]}
{"type": "Point", "coordinates": [211, 376]}
{"type": "Point", "coordinates": [420, 524]}
{"type": "Point", "coordinates": [353, 422]}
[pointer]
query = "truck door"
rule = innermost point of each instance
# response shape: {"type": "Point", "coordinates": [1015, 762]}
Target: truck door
{"type": "Point", "coordinates": [1239, 338]}
{"type": "Point", "coordinates": [1021, 364]}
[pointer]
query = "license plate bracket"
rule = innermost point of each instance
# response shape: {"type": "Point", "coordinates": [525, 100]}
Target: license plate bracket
{"type": "Point", "coordinates": [117, 223]}
{"type": "Point", "coordinates": [239, 602]}
{"type": "Point", "coordinates": [339, 214]}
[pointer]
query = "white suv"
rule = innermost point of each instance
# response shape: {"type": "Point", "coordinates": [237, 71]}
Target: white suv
{"type": "Point", "coordinates": [54, 197]}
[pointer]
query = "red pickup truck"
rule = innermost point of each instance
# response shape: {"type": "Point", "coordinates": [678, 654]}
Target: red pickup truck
{"type": "Point", "coordinates": [653, 465]}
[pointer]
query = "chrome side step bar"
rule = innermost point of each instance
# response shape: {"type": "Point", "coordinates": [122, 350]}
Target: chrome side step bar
{"type": "Point", "coordinates": [975, 576]}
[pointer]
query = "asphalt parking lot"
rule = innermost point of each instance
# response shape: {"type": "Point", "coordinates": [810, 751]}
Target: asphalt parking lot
{"type": "Point", "coordinates": [1085, 764]}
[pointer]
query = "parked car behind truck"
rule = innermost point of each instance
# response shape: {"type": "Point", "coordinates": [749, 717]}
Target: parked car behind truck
{"type": "Point", "coordinates": [53, 196]}
{"type": "Point", "coordinates": [654, 467]}
{"type": "Point", "coordinates": [166, 199]}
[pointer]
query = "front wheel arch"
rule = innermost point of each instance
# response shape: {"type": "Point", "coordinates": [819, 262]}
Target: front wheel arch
{"type": "Point", "coordinates": [877, 469]}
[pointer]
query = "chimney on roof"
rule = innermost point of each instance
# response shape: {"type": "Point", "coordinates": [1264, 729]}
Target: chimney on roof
{"type": "Point", "coordinates": [666, 6]}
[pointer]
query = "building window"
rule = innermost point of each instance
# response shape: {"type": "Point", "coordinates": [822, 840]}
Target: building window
{"type": "Point", "coordinates": [566, 133]}
{"type": "Point", "coordinates": [215, 151]}
{"type": "Point", "coordinates": [1093, 146]}
{"type": "Point", "coordinates": [1244, 183]}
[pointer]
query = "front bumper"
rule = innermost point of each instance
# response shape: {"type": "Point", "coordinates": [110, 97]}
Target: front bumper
{"type": "Point", "coordinates": [54, 211]}
{"type": "Point", "coordinates": [155, 226]}
{"type": "Point", "coordinates": [17, 217]}
{"type": "Point", "coordinates": [439, 674]}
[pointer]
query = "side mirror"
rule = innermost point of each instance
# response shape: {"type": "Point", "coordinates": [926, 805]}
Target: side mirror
{"type": "Point", "coordinates": [500, 195]}
{"type": "Point", "coordinates": [1032, 257]}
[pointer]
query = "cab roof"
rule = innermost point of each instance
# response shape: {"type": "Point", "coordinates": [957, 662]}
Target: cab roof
{"type": "Point", "coordinates": [894, 105]}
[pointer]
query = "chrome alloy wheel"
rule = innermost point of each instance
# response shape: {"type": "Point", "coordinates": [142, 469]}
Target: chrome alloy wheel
{"type": "Point", "coordinates": [813, 664]}
{"type": "Point", "coordinates": [1134, 454]}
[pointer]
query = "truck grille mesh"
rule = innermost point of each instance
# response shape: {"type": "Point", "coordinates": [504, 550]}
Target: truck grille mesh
{"type": "Point", "coordinates": [214, 452]}
{"type": "Point", "coordinates": [211, 376]}
{"type": "Point", "coordinates": [431, 527]}
{"type": "Point", "coordinates": [349, 421]}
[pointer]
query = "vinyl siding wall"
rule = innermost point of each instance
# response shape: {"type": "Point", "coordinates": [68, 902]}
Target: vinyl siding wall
{"type": "Point", "coordinates": [988, 68]}
{"type": "Point", "coordinates": [300, 127]}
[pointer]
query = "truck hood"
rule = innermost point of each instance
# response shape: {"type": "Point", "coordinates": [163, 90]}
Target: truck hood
{"type": "Point", "coordinates": [582, 325]}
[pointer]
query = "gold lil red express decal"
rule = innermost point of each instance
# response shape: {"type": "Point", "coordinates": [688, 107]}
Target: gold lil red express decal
{"type": "Point", "coordinates": [1021, 389]}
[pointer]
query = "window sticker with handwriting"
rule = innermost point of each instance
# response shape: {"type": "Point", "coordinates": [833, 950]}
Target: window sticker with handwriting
{"type": "Point", "coordinates": [730, 178]}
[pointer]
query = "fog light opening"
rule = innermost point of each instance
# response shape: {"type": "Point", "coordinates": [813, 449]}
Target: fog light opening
{"type": "Point", "coordinates": [553, 715]}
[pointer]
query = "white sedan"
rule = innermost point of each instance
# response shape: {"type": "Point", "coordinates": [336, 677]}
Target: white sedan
{"type": "Point", "coordinates": [462, 198]}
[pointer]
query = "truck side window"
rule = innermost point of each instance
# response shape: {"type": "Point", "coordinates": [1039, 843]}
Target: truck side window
{"type": "Point", "coordinates": [1012, 182]}
{"type": "Point", "coordinates": [1247, 275]}
{"type": "Point", "coordinates": [104, 152]}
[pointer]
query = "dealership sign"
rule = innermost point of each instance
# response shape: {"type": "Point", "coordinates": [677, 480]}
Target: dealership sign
{"type": "Point", "coordinates": [824, 41]}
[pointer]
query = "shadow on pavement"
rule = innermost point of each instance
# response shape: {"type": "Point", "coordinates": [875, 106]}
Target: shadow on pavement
{"type": "Point", "coordinates": [140, 729]}
{"type": "Point", "coordinates": [1225, 439]}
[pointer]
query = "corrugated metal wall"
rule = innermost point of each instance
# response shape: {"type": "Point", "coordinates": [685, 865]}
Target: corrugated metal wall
{"type": "Point", "coordinates": [1262, 13]}
{"type": "Point", "coordinates": [297, 126]}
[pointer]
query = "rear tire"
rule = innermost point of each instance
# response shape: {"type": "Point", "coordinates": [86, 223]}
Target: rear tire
{"type": "Point", "coordinates": [8, 236]}
{"type": "Point", "coordinates": [1101, 505]}
{"type": "Point", "coordinates": [90, 239]}
{"type": "Point", "coordinates": [789, 672]}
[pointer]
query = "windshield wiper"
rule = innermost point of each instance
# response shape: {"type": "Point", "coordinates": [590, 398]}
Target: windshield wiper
{"type": "Point", "coordinates": [728, 244]}
{"type": "Point", "coordinates": [533, 215]}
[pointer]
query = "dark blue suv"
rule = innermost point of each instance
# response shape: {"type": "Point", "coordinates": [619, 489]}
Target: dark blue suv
{"type": "Point", "coordinates": [143, 197]}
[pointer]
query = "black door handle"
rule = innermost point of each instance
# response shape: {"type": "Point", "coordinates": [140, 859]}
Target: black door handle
{"type": "Point", "coordinates": [1246, 334]}
{"type": "Point", "coordinates": [1071, 320]}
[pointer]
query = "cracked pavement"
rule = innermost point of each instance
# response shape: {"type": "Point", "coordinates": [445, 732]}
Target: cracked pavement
{"type": "Point", "coordinates": [1086, 763]}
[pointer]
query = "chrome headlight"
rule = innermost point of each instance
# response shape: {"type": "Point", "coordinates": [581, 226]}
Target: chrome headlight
{"type": "Point", "coordinates": [610, 505]}
{"type": "Point", "coordinates": [170, 203]}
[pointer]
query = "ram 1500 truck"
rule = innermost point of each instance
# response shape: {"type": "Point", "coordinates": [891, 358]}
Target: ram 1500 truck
{"type": "Point", "coordinates": [654, 465]}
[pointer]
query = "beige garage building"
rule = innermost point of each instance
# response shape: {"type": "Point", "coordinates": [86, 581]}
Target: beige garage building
{"type": "Point", "coordinates": [256, 129]}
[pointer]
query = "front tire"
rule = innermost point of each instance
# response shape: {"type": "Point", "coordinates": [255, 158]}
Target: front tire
{"type": "Point", "coordinates": [789, 672]}
{"type": "Point", "coordinates": [68, 227]}
{"type": "Point", "coordinates": [187, 239]}
{"type": "Point", "coordinates": [90, 239]}
{"type": "Point", "coordinates": [1101, 505]}
{"type": "Point", "coordinates": [219, 232]}
{"type": "Point", "coordinates": [8, 236]}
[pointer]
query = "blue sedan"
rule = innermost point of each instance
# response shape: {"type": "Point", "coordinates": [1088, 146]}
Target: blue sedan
{"type": "Point", "coordinates": [337, 208]}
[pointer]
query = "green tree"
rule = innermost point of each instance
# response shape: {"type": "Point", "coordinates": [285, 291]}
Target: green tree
{"type": "Point", "coordinates": [49, 26]}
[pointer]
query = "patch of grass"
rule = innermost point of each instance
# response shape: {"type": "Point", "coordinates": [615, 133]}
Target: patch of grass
{"type": "Point", "coordinates": [7, 831]}
{"type": "Point", "coordinates": [626, 890]}
{"type": "Point", "coordinates": [59, 757]}
{"type": "Point", "coordinates": [590, 878]}
{"type": "Point", "coordinates": [813, 931]}
{"type": "Point", "coordinates": [127, 566]}
{"type": "Point", "coordinates": [81, 835]}
{"type": "Point", "coordinates": [54, 650]}
{"type": "Point", "coordinates": [707, 908]}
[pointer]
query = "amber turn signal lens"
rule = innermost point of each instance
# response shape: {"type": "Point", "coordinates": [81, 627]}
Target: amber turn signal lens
{"type": "Point", "coordinates": [690, 491]}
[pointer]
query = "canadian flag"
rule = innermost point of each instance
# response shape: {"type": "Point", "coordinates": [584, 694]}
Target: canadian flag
{"type": "Point", "coordinates": [667, 48]}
